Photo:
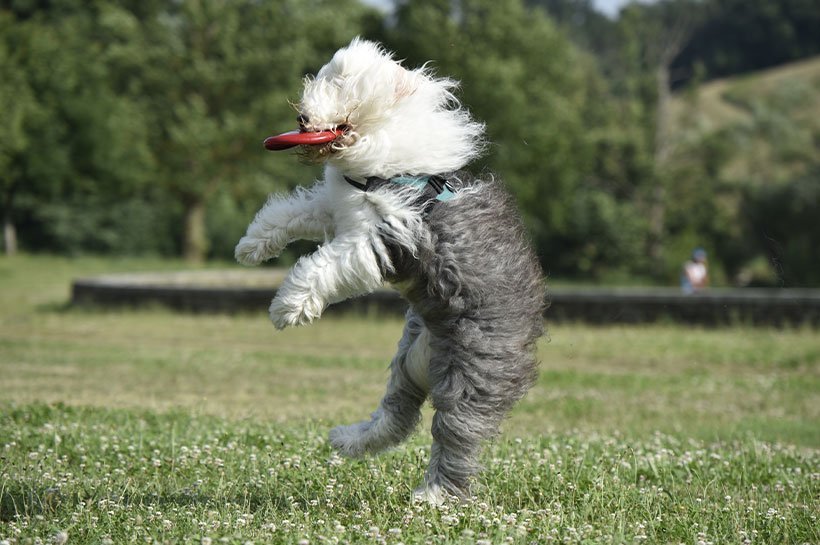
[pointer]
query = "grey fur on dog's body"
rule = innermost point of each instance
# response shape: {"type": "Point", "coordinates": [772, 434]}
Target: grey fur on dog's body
{"type": "Point", "coordinates": [475, 286]}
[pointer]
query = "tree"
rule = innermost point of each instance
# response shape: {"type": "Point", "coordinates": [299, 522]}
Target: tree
{"type": "Point", "coordinates": [781, 221]}
{"type": "Point", "coordinates": [652, 35]}
{"type": "Point", "coordinates": [536, 91]}
{"type": "Point", "coordinates": [738, 36]}
{"type": "Point", "coordinates": [16, 106]}
{"type": "Point", "coordinates": [61, 132]}
{"type": "Point", "coordinates": [584, 24]}
{"type": "Point", "coordinates": [211, 76]}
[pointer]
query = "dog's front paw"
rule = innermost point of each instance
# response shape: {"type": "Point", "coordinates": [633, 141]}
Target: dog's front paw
{"type": "Point", "coordinates": [253, 251]}
{"type": "Point", "coordinates": [284, 313]}
{"type": "Point", "coordinates": [350, 440]}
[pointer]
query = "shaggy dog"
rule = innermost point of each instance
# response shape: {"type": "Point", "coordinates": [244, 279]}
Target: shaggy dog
{"type": "Point", "coordinates": [393, 206]}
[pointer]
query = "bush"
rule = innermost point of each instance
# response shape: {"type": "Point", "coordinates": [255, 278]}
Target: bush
{"type": "Point", "coordinates": [93, 224]}
{"type": "Point", "coordinates": [781, 221]}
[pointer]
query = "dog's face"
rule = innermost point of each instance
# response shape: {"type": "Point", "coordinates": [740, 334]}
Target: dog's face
{"type": "Point", "coordinates": [355, 94]}
{"type": "Point", "coordinates": [386, 120]}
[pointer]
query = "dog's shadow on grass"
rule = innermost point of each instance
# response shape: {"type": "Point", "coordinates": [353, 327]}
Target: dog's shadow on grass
{"type": "Point", "coordinates": [17, 500]}
{"type": "Point", "coordinates": [20, 500]}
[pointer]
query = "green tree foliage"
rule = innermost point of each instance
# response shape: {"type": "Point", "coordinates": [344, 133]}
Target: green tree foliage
{"type": "Point", "coordinates": [541, 99]}
{"type": "Point", "coordinates": [744, 167]}
{"type": "Point", "coordinates": [696, 180]}
{"type": "Point", "coordinates": [16, 107]}
{"type": "Point", "coordinates": [146, 117]}
{"type": "Point", "coordinates": [587, 27]}
{"type": "Point", "coordinates": [780, 170]}
{"type": "Point", "coordinates": [210, 77]}
{"type": "Point", "coordinates": [135, 126]}
{"type": "Point", "coordinates": [67, 135]}
{"type": "Point", "coordinates": [781, 223]}
{"type": "Point", "coordinates": [738, 36]}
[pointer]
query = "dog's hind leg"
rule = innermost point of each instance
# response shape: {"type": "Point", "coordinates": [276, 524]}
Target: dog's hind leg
{"type": "Point", "coordinates": [400, 409]}
{"type": "Point", "coordinates": [468, 412]}
{"type": "Point", "coordinates": [457, 441]}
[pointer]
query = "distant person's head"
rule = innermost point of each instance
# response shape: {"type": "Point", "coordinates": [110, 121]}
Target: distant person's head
{"type": "Point", "coordinates": [699, 255]}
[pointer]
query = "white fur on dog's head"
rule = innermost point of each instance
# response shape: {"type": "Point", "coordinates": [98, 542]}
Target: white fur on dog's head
{"type": "Point", "coordinates": [397, 121]}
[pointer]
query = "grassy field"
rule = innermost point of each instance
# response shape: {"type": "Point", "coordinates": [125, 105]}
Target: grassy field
{"type": "Point", "coordinates": [148, 426]}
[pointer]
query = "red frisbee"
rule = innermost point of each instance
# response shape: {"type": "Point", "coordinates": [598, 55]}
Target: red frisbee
{"type": "Point", "coordinates": [298, 138]}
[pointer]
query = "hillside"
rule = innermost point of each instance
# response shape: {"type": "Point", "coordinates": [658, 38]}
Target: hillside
{"type": "Point", "coordinates": [771, 118]}
{"type": "Point", "coordinates": [717, 101]}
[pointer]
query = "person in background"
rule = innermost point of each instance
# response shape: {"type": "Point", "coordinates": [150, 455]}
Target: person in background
{"type": "Point", "coordinates": [695, 275]}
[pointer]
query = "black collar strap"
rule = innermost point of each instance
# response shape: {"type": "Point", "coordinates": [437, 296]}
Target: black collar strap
{"type": "Point", "coordinates": [358, 185]}
{"type": "Point", "coordinates": [437, 185]}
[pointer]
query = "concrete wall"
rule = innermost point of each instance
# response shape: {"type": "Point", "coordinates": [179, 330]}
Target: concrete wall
{"type": "Point", "coordinates": [593, 305]}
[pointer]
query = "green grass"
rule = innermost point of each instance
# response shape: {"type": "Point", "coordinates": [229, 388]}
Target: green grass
{"type": "Point", "coordinates": [150, 426]}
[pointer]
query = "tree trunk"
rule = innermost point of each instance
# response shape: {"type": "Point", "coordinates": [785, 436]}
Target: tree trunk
{"type": "Point", "coordinates": [657, 205]}
{"type": "Point", "coordinates": [195, 239]}
{"type": "Point", "coordinates": [9, 230]}
{"type": "Point", "coordinates": [672, 42]}
{"type": "Point", "coordinates": [9, 237]}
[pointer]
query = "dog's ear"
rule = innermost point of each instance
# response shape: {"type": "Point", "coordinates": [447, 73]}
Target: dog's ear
{"type": "Point", "coordinates": [406, 83]}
